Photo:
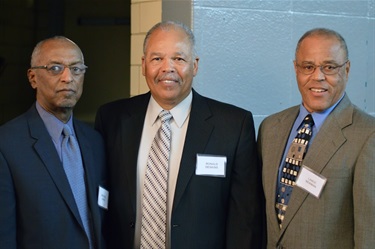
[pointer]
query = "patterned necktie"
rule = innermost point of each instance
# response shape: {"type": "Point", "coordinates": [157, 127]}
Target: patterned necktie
{"type": "Point", "coordinates": [72, 163]}
{"type": "Point", "coordinates": [292, 164]}
{"type": "Point", "coordinates": [154, 201]}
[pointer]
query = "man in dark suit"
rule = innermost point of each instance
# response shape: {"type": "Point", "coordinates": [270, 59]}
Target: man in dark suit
{"type": "Point", "coordinates": [39, 206]}
{"type": "Point", "coordinates": [214, 197]}
{"type": "Point", "coordinates": [332, 199]}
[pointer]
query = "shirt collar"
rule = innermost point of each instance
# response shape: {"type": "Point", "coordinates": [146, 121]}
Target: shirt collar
{"type": "Point", "coordinates": [319, 117]}
{"type": "Point", "coordinates": [180, 112]}
{"type": "Point", "coordinates": [54, 125]}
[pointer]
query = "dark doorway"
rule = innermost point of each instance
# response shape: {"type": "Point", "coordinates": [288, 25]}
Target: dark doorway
{"type": "Point", "coordinates": [100, 28]}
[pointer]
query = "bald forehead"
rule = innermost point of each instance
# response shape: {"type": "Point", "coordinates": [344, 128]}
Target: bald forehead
{"type": "Point", "coordinates": [333, 42]}
{"type": "Point", "coordinates": [169, 29]}
{"type": "Point", "coordinates": [324, 36]}
{"type": "Point", "coordinates": [50, 46]}
{"type": "Point", "coordinates": [59, 43]}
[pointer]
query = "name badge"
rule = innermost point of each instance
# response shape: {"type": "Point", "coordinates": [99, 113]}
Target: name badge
{"type": "Point", "coordinates": [311, 181]}
{"type": "Point", "coordinates": [211, 165]}
{"type": "Point", "coordinates": [103, 197]}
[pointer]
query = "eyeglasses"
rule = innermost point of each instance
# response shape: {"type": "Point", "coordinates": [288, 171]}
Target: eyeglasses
{"type": "Point", "coordinates": [56, 69]}
{"type": "Point", "coordinates": [327, 69]}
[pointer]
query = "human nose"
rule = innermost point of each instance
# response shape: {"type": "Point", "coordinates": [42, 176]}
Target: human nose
{"type": "Point", "coordinates": [66, 75]}
{"type": "Point", "coordinates": [168, 66]}
{"type": "Point", "coordinates": [318, 73]}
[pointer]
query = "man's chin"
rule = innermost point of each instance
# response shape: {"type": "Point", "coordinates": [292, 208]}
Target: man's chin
{"type": "Point", "coordinates": [68, 105]}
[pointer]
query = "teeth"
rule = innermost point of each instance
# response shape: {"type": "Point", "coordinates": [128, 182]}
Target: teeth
{"type": "Point", "coordinates": [317, 90]}
{"type": "Point", "coordinates": [168, 81]}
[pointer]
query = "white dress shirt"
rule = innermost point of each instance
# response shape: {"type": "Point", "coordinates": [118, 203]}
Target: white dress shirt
{"type": "Point", "coordinates": [179, 124]}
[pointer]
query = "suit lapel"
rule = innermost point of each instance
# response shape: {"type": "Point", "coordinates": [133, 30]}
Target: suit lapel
{"type": "Point", "coordinates": [131, 127]}
{"type": "Point", "coordinates": [197, 136]}
{"type": "Point", "coordinates": [45, 148]}
{"type": "Point", "coordinates": [328, 140]}
{"type": "Point", "coordinates": [88, 164]}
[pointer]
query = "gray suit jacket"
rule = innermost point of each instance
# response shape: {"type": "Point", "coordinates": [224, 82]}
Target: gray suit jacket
{"type": "Point", "coordinates": [37, 207]}
{"type": "Point", "coordinates": [343, 151]}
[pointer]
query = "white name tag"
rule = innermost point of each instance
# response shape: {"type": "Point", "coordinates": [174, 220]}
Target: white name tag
{"type": "Point", "coordinates": [103, 197]}
{"type": "Point", "coordinates": [310, 181]}
{"type": "Point", "coordinates": [211, 165]}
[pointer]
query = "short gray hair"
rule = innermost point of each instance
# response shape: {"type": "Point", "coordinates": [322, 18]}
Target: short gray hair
{"type": "Point", "coordinates": [324, 32]}
{"type": "Point", "coordinates": [168, 25]}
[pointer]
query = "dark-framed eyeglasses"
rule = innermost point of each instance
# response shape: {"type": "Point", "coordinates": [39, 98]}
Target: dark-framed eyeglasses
{"type": "Point", "coordinates": [327, 69]}
{"type": "Point", "coordinates": [56, 69]}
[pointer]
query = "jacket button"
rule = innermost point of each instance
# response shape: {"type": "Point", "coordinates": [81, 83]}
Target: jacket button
{"type": "Point", "coordinates": [132, 224]}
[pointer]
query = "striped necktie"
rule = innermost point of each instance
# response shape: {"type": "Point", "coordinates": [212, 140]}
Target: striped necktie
{"type": "Point", "coordinates": [154, 201]}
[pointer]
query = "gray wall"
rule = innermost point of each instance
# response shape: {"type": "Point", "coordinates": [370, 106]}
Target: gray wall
{"type": "Point", "coordinates": [247, 48]}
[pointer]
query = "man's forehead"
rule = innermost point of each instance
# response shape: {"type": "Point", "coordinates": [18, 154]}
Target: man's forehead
{"type": "Point", "coordinates": [60, 58]}
{"type": "Point", "coordinates": [316, 47]}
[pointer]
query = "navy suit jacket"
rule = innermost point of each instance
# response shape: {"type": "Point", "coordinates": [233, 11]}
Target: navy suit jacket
{"type": "Point", "coordinates": [37, 206]}
{"type": "Point", "coordinates": [208, 212]}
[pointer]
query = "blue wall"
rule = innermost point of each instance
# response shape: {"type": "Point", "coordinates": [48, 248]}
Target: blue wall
{"type": "Point", "coordinates": [246, 50]}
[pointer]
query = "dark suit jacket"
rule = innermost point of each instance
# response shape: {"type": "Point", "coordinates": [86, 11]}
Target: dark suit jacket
{"type": "Point", "coordinates": [343, 151]}
{"type": "Point", "coordinates": [208, 212]}
{"type": "Point", "coordinates": [37, 206]}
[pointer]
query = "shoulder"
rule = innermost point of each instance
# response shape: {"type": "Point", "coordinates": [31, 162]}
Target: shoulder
{"type": "Point", "coordinates": [217, 107]}
{"type": "Point", "coordinates": [290, 112]}
{"type": "Point", "coordinates": [86, 129]}
{"type": "Point", "coordinates": [14, 126]}
{"type": "Point", "coordinates": [123, 105]}
{"type": "Point", "coordinates": [110, 116]}
{"type": "Point", "coordinates": [363, 119]}
{"type": "Point", "coordinates": [362, 129]}
{"type": "Point", "coordinates": [348, 115]}
{"type": "Point", "coordinates": [19, 133]}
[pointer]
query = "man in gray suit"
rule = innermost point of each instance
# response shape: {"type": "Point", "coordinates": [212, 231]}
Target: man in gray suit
{"type": "Point", "coordinates": [40, 207]}
{"type": "Point", "coordinates": [322, 194]}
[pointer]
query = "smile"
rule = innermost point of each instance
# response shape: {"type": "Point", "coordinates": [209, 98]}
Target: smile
{"type": "Point", "coordinates": [168, 81]}
{"type": "Point", "coordinates": [318, 90]}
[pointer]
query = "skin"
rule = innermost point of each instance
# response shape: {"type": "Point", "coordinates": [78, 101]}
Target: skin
{"type": "Point", "coordinates": [57, 94]}
{"type": "Point", "coordinates": [169, 66]}
{"type": "Point", "coordinates": [319, 91]}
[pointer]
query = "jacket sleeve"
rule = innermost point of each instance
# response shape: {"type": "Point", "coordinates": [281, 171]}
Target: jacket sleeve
{"type": "Point", "coordinates": [245, 224]}
{"type": "Point", "coordinates": [364, 196]}
{"type": "Point", "coordinates": [7, 207]}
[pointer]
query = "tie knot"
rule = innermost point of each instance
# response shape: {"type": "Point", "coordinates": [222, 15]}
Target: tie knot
{"type": "Point", "coordinates": [165, 116]}
{"type": "Point", "coordinates": [308, 120]}
{"type": "Point", "coordinates": [67, 131]}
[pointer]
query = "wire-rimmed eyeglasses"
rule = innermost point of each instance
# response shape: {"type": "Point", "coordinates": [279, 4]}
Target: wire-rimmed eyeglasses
{"type": "Point", "coordinates": [56, 69]}
{"type": "Point", "coordinates": [327, 69]}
